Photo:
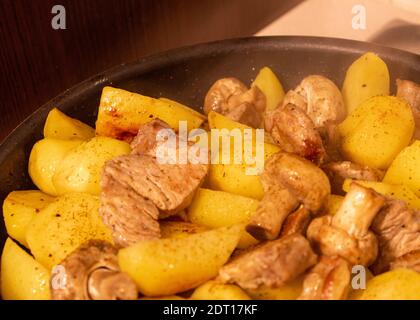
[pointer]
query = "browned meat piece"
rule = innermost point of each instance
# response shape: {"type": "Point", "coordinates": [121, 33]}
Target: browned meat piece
{"type": "Point", "coordinates": [328, 280]}
{"type": "Point", "coordinates": [294, 132]}
{"type": "Point", "coordinates": [408, 261]}
{"type": "Point", "coordinates": [130, 217]}
{"type": "Point", "coordinates": [271, 264]}
{"type": "Point", "coordinates": [320, 99]}
{"type": "Point", "coordinates": [232, 98]}
{"type": "Point", "coordinates": [287, 181]}
{"type": "Point", "coordinates": [146, 142]}
{"type": "Point", "coordinates": [398, 230]}
{"type": "Point", "coordinates": [170, 187]}
{"type": "Point", "coordinates": [92, 273]}
{"type": "Point", "coordinates": [339, 171]}
{"type": "Point", "coordinates": [410, 91]}
{"type": "Point", "coordinates": [347, 234]}
{"type": "Point", "coordinates": [296, 222]}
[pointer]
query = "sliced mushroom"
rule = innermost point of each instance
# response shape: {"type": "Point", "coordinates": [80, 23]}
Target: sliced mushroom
{"type": "Point", "coordinates": [337, 172]}
{"type": "Point", "coordinates": [328, 280]}
{"type": "Point", "coordinates": [292, 129]}
{"type": "Point", "coordinates": [398, 230]}
{"type": "Point", "coordinates": [92, 273]}
{"type": "Point", "coordinates": [410, 91]}
{"type": "Point", "coordinates": [230, 97]}
{"type": "Point", "coordinates": [271, 264]}
{"type": "Point", "coordinates": [320, 98]}
{"type": "Point", "coordinates": [287, 181]}
{"type": "Point", "coordinates": [347, 234]}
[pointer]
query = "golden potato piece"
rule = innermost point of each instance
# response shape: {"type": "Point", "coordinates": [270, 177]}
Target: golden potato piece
{"type": "Point", "coordinates": [367, 77]}
{"type": "Point", "coordinates": [63, 226]}
{"type": "Point", "coordinates": [377, 131]}
{"type": "Point", "coordinates": [215, 209]}
{"type": "Point", "coordinates": [334, 202]}
{"type": "Point", "coordinates": [19, 208]}
{"type": "Point", "coordinates": [22, 277]}
{"type": "Point", "coordinates": [60, 126]}
{"type": "Point", "coordinates": [46, 155]}
{"type": "Point", "coordinates": [81, 169]}
{"type": "Point", "coordinates": [405, 169]}
{"type": "Point", "coordinates": [398, 284]}
{"type": "Point", "coordinates": [168, 266]}
{"type": "Point", "coordinates": [270, 85]}
{"type": "Point", "coordinates": [212, 290]}
{"type": "Point", "coordinates": [121, 113]}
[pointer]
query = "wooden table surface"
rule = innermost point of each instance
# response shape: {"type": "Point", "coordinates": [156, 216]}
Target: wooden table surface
{"type": "Point", "coordinates": [38, 62]}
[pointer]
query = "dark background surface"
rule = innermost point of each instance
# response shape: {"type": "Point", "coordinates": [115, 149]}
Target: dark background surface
{"type": "Point", "coordinates": [38, 62]}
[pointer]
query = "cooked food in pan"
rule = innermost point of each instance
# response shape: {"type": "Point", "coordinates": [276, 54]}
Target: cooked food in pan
{"type": "Point", "coordinates": [313, 193]}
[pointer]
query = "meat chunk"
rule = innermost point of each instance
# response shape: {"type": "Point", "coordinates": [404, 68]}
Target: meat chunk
{"type": "Point", "coordinates": [339, 171]}
{"type": "Point", "coordinates": [130, 217]}
{"type": "Point", "coordinates": [398, 230]}
{"type": "Point", "coordinates": [328, 280]}
{"type": "Point", "coordinates": [232, 98]}
{"type": "Point", "coordinates": [147, 140]}
{"type": "Point", "coordinates": [410, 91]}
{"type": "Point", "coordinates": [296, 222]}
{"type": "Point", "coordinates": [271, 264]}
{"type": "Point", "coordinates": [347, 234]}
{"type": "Point", "coordinates": [294, 132]}
{"type": "Point", "coordinates": [170, 187]}
{"type": "Point", "coordinates": [137, 189]}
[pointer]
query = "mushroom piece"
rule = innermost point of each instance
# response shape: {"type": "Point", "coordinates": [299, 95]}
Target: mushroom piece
{"type": "Point", "coordinates": [296, 222]}
{"type": "Point", "coordinates": [287, 180]}
{"type": "Point", "coordinates": [320, 99]}
{"type": "Point", "coordinates": [271, 264]}
{"type": "Point", "coordinates": [398, 230]}
{"type": "Point", "coordinates": [410, 92]}
{"type": "Point", "coordinates": [92, 273]}
{"type": "Point", "coordinates": [347, 234]}
{"type": "Point", "coordinates": [337, 172]}
{"type": "Point", "coordinates": [292, 129]}
{"type": "Point", "coordinates": [328, 280]}
{"type": "Point", "coordinates": [230, 97]}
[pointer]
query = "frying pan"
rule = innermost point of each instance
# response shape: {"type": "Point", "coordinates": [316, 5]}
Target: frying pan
{"type": "Point", "coordinates": [185, 74]}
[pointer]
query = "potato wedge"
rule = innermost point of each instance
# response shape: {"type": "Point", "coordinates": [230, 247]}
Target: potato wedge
{"type": "Point", "coordinates": [63, 226]}
{"type": "Point", "coordinates": [46, 155]}
{"type": "Point", "coordinates": [398, 284]}
{"type": "Point", "coordinates": [167, 266]}
{"type": "Point", "coordinates": [270, 85]}
{"type": "Point", "coordinates": [22, 277]}
{"type": "Point", "coordinates": [232, 178]}
{"type": "Point", "coordinates": [290, 291]}
{"type": "Point", "coordinates": [60, 126]}
{"type": "Point", "coordinates": [215, 209]}
{"type": "Point", "coordinates": [397, 191]}
{"type": "Point", "coordinates": [367, 77]}
{"type": "Point", "coordinates": [334, 202]}
{"type": "Point", "coordinates": [375, 134]}
{"type": "Point", "coordinates": [179, 229]}
{"type": "Point", "coordinates": [121, 113]}
{"type": "Point", "coordinates": [19, 208]}
{"type": "Point", "coordinates": [405, 169]}
{"type": "Point", "coordinates": [212, 290]}
{"type": "Point", "coordinates": [80, 170]}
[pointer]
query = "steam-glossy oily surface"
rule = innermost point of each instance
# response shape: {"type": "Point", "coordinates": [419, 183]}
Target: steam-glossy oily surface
{"type": "Point", "coordinates": [186, 74]}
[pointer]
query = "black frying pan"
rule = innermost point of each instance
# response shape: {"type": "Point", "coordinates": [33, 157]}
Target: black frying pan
{"type": "Point", "coordinates": [185, 74]}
